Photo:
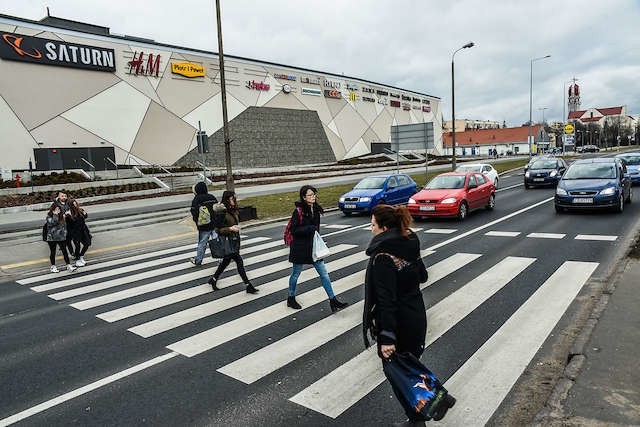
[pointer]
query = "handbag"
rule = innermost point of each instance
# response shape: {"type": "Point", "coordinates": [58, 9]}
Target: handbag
{"type": "Point", "coordinates": [415, 386]}
{"type": "Point", "coordinates": [224, 245]}
{"type": "Point", "coordinates": [320, 248]}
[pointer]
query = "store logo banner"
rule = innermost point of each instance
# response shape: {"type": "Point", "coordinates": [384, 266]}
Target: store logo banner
{"type": "Point", "coordinates": [310, 80]}
{"type": "Point", "coordinates": [426, 108]}
{"type": "Point", "coordinates": [284, 76]}
{"type": "Point", "coordinates": [329, 93]}
{"type": "Point", "coordinates": [188, 69]}
{"type": "Point", "coordinates": [18, 47]}
{"type": "Point", "coordinates": [353, 96]}
{"type": "Point", "coordinates": [366, 98]}
{"type": "Point", "coordinates": [257, 85]}
{"type": "Point", "coordinates": [311, 91]}
{"type": "Point", "coordinates": [138, 67]}
{"type": "Point", "coordinates": [332, 84]}
{"type": "Point", "coordinates": [395, 103]}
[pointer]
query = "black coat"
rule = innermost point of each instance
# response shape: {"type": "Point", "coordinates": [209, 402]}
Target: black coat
{"type": "Point", "coordinates": [303, 232]}
{"type": "Point", "coordinates": [202, 197]}
{"type": "Point", "coordinates": [77, 229]}
{"type": "Point", "coordinates": [394, 311]}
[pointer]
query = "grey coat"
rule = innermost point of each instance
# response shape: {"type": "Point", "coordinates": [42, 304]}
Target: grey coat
{"type": "Point", "coordinates": [56, 229]}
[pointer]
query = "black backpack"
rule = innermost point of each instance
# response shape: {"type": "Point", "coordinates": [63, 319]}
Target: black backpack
{"type": "Point", "coordinates": [44, 232]}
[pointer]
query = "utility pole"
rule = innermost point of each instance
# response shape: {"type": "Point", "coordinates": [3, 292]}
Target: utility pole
{"type": "Point", "coordinates": [225, 118]}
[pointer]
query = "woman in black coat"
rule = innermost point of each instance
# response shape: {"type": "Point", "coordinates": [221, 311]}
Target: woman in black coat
{"type": "Point", "coordinates": [305, 221]}
{"type": "Point", "coordinates": [394, 312]}
{"type": "Point", "coordinates": [78, 232]}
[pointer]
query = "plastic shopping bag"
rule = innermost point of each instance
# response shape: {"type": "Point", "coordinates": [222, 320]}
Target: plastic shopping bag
{"type": "Point", "coordinates": [320, 248]}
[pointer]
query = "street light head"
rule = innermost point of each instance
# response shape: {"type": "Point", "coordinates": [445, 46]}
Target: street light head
{"type": "Point", "coordinates": [547, 56]}
{"type": "Point", "coordinates": [468, 45]}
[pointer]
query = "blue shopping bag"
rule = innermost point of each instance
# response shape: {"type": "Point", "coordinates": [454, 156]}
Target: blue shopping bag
{"type": "Point", "coordinates": [415, 386]}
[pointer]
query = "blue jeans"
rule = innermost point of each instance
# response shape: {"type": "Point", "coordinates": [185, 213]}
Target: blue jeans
{"type": "Point", "coordinates": [203, 238]}
{"type": "Point", "coordinates": [322, 272]}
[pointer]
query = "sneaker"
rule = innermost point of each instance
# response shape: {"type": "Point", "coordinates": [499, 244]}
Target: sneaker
{"type": "Point", "coordinates": [193, 261]}
{"type": "Point", "coordinates": [71, 268]}
{"type": "Point", "coordinates": [54, 269]}
{"type": "Point", "coordinates": [81, 262]}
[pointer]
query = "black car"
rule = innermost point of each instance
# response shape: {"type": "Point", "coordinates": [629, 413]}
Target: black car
{"type": "Point", "coordinates": [544, 171]}
{"type": "Point", "coordinates": [590, 149]}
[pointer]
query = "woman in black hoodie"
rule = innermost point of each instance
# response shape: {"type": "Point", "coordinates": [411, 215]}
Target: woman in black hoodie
{"type": "Point", "coordinates": [394, 312]}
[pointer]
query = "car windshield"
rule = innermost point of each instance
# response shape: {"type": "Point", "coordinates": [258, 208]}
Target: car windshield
{"type": "Point", "coordinates": [469, 168]}
{"type": "Point", "coordinates": [446, 181]}
{"type": "Point", "coordinates": [371, 183]}
{"type": "Point", "coordinates": [591, 171]}
{"type": "Point", "coordinates": [631, 159]}
{"type": "Point", "coordinates": [543, 164]}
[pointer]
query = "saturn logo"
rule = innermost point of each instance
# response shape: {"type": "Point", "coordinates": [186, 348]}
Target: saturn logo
{"type": "Point", "coordinates": [286, 88]}
{"type": "Point", "coordinates": [15, 43]}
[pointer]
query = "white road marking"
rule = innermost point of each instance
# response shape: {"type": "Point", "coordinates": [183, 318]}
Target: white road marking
{"type": "Point", "coordinates": [338, 226]}
{"type": "Point", "coordinates": [502, 233]}
{"type": "Point", "coordinates": [441, 230]}
{"type": "Point", "coordinates": [597, 237]}
{"type": "Point", "coordinates": [546, 235]}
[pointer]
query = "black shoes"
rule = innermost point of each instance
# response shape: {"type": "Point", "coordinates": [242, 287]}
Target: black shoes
{"type": "Point", "coordinates": [336, 305]}
{"type": "Point", "coordinates": [410, 423]}
{"type": "Point", "coordinates": [212, 282]}
{"type": "Point", "coordinates": [439, 414]}
{"type": "Point", "coordinates": [291, 302]}
{"type": "Point", "coordinates": [251, 289]}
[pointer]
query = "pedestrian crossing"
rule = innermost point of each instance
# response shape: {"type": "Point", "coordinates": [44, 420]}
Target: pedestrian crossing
{"type": "Point", "coordinates": [159, 292]}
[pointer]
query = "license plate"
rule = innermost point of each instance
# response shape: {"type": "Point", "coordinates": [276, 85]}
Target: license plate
{"type": "Point", "coordinates": [583, 200]}
{"type": "Point", "coordinates": [350, 206]}
{"type": "Point", "coordinates": [538, 179]}
{"type": "Point", "coordinates": [427, 208]}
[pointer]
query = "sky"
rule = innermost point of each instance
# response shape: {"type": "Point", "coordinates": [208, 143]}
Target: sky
{"type": "Point", "coordinates": [408, 44]}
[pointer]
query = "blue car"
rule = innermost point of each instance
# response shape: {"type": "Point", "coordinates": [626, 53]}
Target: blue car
{"type": "Point", "coordinates": [544, 171]}
{"type": "Point", "coordinates": [632, 160]}
{"type": "Point", "coordinates": [594, 184]}
{"type": "Point", "coordinates": [393, 189]}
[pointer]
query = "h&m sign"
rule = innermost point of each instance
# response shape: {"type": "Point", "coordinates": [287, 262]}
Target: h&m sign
{"type": "Point", "coordinates": [138, 67]}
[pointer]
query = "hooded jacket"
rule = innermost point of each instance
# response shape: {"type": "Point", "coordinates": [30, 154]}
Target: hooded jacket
{"type": "Point", "coordinates": [303, 232]}
{"type": "Point", "coordinates": [56, 228]}
{"type": "Point", "coordinates": [394, 312]}
{"type": "Point", "coordinates": [202, 197]}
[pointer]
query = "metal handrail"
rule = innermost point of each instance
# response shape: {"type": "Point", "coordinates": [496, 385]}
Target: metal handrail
{"type": "Point", "coordinates": [114, 164]}
{"type": "Point", "coordinates": [91, 166]}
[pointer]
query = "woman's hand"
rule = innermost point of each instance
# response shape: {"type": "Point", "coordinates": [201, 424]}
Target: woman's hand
{"type": "Point", "coordinates": [234, 228]}
{"type": "Point", "coordinates": [387, 350]}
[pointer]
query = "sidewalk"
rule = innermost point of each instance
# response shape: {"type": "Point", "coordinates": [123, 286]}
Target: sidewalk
{"type": "Point", "coordinates": [601, 384]}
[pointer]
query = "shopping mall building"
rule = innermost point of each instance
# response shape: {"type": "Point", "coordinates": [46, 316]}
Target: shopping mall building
{"type": "Point", "coordinates": [72, 93]}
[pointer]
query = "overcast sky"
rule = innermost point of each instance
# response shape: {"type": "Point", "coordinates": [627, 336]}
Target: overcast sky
{"type": "Point", "coordinates": [408, 43]}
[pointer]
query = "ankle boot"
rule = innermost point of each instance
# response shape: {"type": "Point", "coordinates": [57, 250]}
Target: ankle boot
{"type": "Point", "coordinates": [336, 305]}
{"type": "Point", "coordinates": [448, 402]}
{"type": "Point", "coordinates": [213, 282]}
{"type": "Point", "coordinates": [291, 302]}
{"type": "Point", "coordinates": [251, 289]}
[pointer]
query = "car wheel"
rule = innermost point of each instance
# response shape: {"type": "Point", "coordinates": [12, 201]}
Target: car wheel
{"type": "Point", "coordinates": [492, 202]}
{"type": "Point", "coordinates": [620, 207]}
{"type": "Point", "coordinates": [526, 186]}
{"type": "Point", "coordinates": [463, 210]}
{"type": "Point", "coordinates": [559, 209]}
{"type": "Point", "coordinates": [630, 195]}
{"type": "Point", "coordinates": [495, 183]}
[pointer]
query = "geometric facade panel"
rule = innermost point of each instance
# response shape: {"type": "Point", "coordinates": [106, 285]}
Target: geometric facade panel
{"type": "Point", "coordinates": [19, 144]}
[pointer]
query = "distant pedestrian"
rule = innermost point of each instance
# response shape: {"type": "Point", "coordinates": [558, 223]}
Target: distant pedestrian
{"type": "Point", "coordinates": [305, 221]}
{"type": "Point", "coordinates": [62, 200]}
{"type": "Point", "coordinates": [202, 214]}
{"type": "Point", "coordinates": [56, 235]}
{"type": "Point", "coordinates": [394, 312]}
{"type": "Point", "coordinates": [78, 231]}
{"type": "Point", "coordinates": [230, 227]}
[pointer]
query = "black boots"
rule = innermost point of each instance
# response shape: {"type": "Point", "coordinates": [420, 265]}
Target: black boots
{"type": "Point", "coordinates": [336, 305]}
{"type": "Point", "coordinates": [251, 289]}
{"type": "Point", "coordinates": [439, 414]}
{"type": "Point", "coordinates": [212, 282]}
{"type": "Point", "coordinates": [291, 302]}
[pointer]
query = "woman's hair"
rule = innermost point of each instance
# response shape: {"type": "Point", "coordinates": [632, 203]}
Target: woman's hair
{"type": "Point", "coordinates": [393, 217]}
{"type": "Point", "coordinates": [303, 202]}
{"type": "Point", "coordinates": [54, 205]}
{"type": "Point", "coordinates": [226, 196]}
{"type": "Point", "coordinates": [74, 209]}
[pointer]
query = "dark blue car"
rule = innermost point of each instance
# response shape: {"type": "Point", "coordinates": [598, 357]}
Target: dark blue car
{"type": "Point", "coordinates": [393, 189]}
{"type": "Point", "coordinates": [544, 171]}
{"type": "Point", "coordinates": [632, 161]}
{"type": "Point", "coordinates": [594, 183]}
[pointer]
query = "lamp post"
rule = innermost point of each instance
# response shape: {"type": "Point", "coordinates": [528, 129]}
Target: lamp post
{"type": "Point", "coordinates": [531, 99]}
{"type": "Point", "coordinates": [453, 106]}
{"type": "Point", "coordinates": [542, 109]}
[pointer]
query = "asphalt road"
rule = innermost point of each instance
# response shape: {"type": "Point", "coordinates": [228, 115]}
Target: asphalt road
{"type": "Point", "coordinates": [130, 341]}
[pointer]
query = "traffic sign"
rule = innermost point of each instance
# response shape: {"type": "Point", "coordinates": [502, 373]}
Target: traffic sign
{"type": "Point", "coordinates": [568, 129]}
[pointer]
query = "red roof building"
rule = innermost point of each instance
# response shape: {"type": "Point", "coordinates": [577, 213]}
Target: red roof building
{"type": "Point", "coordinates": [503, 139]}
{"type": "Point", "coordinates": [598, 115]}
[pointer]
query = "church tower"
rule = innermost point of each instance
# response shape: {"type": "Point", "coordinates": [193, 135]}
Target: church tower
{"type": "Point", "coordinates": [574, 96]}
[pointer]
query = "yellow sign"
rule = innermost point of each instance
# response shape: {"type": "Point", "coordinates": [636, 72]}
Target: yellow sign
{"type": "Point", "coordinates": [353, 96]}
{"type": "Point", "coordinates": [568, 129]}
{"type": "Point", "coordinates": [188, 69]}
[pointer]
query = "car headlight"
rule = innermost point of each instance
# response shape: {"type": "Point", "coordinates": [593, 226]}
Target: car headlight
{"type": "Point", "coordinates": [608, 191]}
{"type": "Point", "coordinates": [365, 199]}
{"type": "Point", "coordinates": [526, 174]}
{"type": "Point", "coordinates": [553, 173]}
{"type": "Point", "coordinates": [341, 199]}
{"type": "Point", "coordinates": [561, 191]}
{"type": "Point", "coordinates": [449, 200]}
{"type": "Point", "coordinates": [411, 201]}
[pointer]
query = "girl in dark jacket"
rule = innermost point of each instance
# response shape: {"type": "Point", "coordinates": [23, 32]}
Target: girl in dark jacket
{"type": "Point", "coordinates": [394, 312]}
{"type": "Point", "coordinates": [57, 236]}
{"type": "Point", "coordinates": [230, 227]}
{"type": "Point", "coordinates": [305, 221]}
{"type": "Point", "coordinates": [78, 232]}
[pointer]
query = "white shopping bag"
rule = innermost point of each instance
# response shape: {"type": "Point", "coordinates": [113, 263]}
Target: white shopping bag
{"type": "Point", "coordinates": [320, 248]}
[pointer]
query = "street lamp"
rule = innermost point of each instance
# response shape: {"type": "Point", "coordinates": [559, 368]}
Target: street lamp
{"type": "Point", "coordinates": [531, 99]}
{"type": "Point", "coordinates": [542, 109]}
{"type": "Point", "coordinates": [453, 106]}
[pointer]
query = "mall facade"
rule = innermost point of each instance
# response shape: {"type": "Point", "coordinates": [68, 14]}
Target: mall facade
{"type": "Point", "coordinates": [71, 91]}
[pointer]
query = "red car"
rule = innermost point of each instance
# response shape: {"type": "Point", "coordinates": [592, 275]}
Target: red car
{"type": "Point", "coordinates": [453, 194]}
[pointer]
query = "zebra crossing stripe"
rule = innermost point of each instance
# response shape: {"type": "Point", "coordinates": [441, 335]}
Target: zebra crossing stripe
{"type": "Point", "coordinates": [546, 235]}
{"type": "Point", "coordinates": [201, 311]}
{"type": "Point", "coordinates": [441, 230]}
{"type": "Point", "coordinates": [345, 386]}
{"type": "Point", "coordinates": [483, 382]}
{"type": "Point", "coordinates": [338, 226]}
{"type": "Point", "coordinates": [597, 237]}
{"type": "Point", "coordinates": [155, 273]}
{"type": "Point", "coordinates": [502, 233]}
{"type": "Point", "coordinates": [266, 360]}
